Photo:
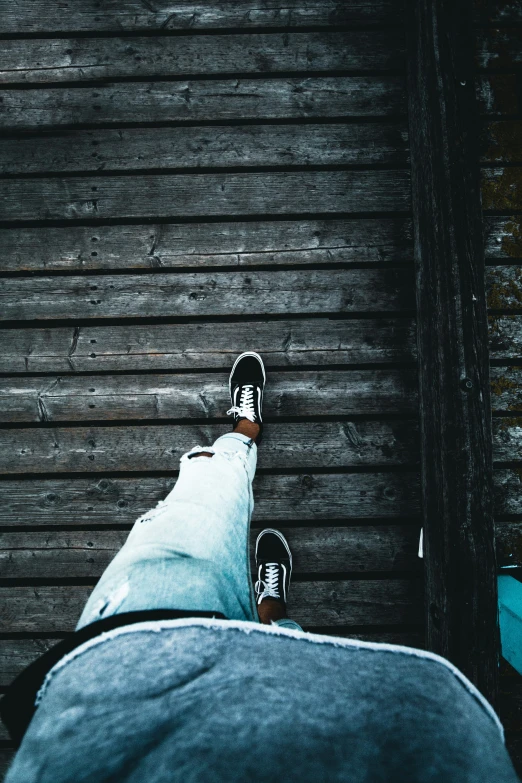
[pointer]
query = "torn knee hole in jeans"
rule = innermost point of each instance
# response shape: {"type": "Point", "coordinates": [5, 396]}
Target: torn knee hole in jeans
{"type": "Point", "coordinates": [229, 455]}
{"type": "Point", "coordinates": [197, 451]}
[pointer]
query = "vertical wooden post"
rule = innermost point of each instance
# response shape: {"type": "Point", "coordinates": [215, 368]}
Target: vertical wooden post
{"type": "Point", "coordinates": [455, 406]}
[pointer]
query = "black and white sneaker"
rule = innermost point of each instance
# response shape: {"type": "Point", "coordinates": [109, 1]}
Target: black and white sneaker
{"type": "Point", "coordinates": [273, 566]}
{"type": "Point", "coordinates": [246, 384]}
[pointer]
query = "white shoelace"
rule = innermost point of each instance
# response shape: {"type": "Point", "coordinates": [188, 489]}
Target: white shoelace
{"type": "Point", "coordinates": [268, 588]}
{"type": "Point", "coordinates": [245, 409]}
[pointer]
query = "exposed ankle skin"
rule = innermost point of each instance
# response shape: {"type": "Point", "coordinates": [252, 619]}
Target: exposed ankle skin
{"type": "Point", "coordinates": [270, 610]}
{"type": "Point", "coordinates": [248, 428]}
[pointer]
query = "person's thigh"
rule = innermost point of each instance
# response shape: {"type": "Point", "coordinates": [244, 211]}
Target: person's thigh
{"type": "Point", "coordinates": [191, 551]}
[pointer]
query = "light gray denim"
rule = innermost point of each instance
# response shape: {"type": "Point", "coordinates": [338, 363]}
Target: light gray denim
{"type": "Point", "coordinates": [191, 552]}
{"type": "Point", "coordinates": [200, 700]}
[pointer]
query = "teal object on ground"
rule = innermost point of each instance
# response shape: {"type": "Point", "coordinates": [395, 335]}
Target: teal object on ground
{"type": "Point", "coordinates": [510, 618]}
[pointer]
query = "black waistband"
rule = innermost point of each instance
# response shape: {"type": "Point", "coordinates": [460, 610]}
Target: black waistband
{"type": "Point", "coordinates": [17, 706]}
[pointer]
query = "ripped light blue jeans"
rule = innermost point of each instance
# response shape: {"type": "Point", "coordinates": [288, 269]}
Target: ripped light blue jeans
{"type": "Point", "coordinates": [191, 552]}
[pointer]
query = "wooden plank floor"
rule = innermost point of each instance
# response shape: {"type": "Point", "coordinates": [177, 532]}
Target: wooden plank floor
{"type": "Point", "coordinates": [177, 188]}
{"type": "Point", "coordinates": [184, 182]}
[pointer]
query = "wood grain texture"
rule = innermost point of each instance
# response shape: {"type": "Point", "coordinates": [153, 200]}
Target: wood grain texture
{"type": "Point", "coordinates": [203, 294]}
{"type": "Point", "coordinates": [159, 448]}
{"type": "Point", "coordinates": [505, 336]}
{"type": "Point", "coordinates": [6, 757]}
{"type": "Point", "coordinates": [290, 498]}
{"type": "Point", "coordinates": [457, 494]}
{"type": "Point", "coordinates": [74, 16]}
{"type": "Point", "coordinates": [282, 343]}
{"type": "Point", "coordinates": [279, 498]}
{"type": "Point", "coordinates": [194, 195]}
{"type": "Point", "coordinates": [502, 142]}
{"type": "Point", "coordinates": [504, 287]}
{"type": "Point", "coordinates": [509, 543]}
{"type": "Point", "coordinates": [497, 11]}
{"type": "Point", "coordinates": [16, 654]}
{"type": "Point", "coordinates": [506, 389]}
{"type": "Point", "coordinates": [157, 397]}
{"type": "Point", "coordinates": [498, 94]}
{"type": "Point", "coordinates": [231, 244]}
{"type": "Point", "coordinates": [42, 609]}
{"type": "Point", "coordinates": [114, 15]}
{"type": "Point", "coordinates": [503, 236]}
{"type": "Point", "coordinates": [325, 550]}
{"type": "Point", "coordinates": [507, 438]}
{"type": "Point", "coordinates": [89, 59]}
{"type": "Point", "coordinates": [508, 491]}
{"type": "Point", "coordinates": [361, 601]}
{"type": "Point", "coordinates": [502, 189]}
{"type": "Point", "coordinates": [181, 147]}
{"type": "Point", "coordinates": [499, 48]}
{"type": "Point", "coordinates": [196, 101]}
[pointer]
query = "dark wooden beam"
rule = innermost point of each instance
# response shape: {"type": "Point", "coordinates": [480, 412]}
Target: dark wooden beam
{"type": "Point", "coordinates": [455, 409]}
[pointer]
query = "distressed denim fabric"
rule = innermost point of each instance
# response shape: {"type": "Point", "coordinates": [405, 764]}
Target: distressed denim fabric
{"type": "Point", "coordinates": [191, 552]}
{"type": "Point", "coordinates": [216, 701]}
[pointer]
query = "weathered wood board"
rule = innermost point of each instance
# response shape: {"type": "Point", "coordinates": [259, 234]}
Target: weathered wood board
{"type": "Point", "coordinates": [498, 94]}
{"type": "Point", "coordinates": [207, 294]}
{"type": "Point", "coordinates": [206, 100]}
{"type": "Point", "coordinates": [89, 59]}
{"type": "Point", "coordinates": [505, 336]}
{"type": "Point", "coordinates": [38, 16]}
{"type": "Point", "coordinates": [502, 142]}
{"type": "Point", "coordinates": [315, 497]}
{"type": "Point", "coordinates": [503, 236]}
{"type": "Point", "coordinates": [217, 244]}
{"type": "Point", "coordinates": [168, 396]}
{"type": "Point", "coordinates": [310, 444]}
{"type": "Point", "coordinates": [52, 609]}
{"type": "Point", "coordinates": [504, 287]}
{"type": "Point", "coordinates": [498, 47]}
{"type": "Point", "coordinates": [303, 242]}
{"type": "Point", "coordinates": [308, 496]}
{"type": "Point", "coordinates": [137, 149]}
{"type": "Point", "coordinates": [502, 188]}
{"type": "Point", "coordinates": [173, 15]}
{"type": "Point", "coordinates": [315, 550]}
{"type": "Point", "coordinates": [184, 346]}
{"type": "Point", "coordinates": [172, 198]}
{"type": "Point", "coordinates": [203, 395]}
{"type": "Point", "coordinates": [506, 389]}
{"type": "Point", "coordinates": [184, 195]}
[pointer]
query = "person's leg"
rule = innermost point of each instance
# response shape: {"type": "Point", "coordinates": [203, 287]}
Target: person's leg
{"type": "Point", "coordinates": [191, 552]}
